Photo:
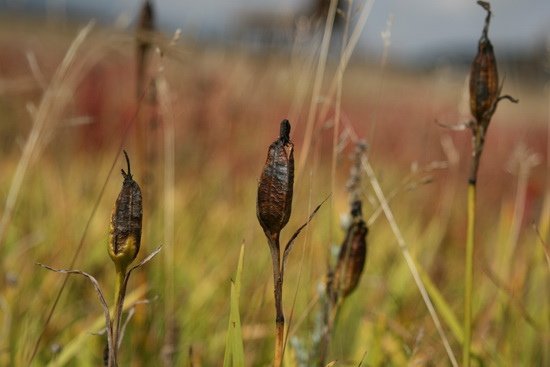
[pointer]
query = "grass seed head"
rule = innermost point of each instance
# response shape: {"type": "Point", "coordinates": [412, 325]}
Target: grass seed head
{"type": "Point", "coordinates": [484, 90]}
{"type": "Point", "coordinates": [274, 202]}
{"type": "Point", "coordinates": [352, 256]}
{"type": "Point", "coordinates": [125, 228]}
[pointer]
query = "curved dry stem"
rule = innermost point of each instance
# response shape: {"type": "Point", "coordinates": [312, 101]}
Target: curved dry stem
{"type": "Point", "coordinates": [290, 242]}
{"type": "Point", "coordinates": [120, 294]}
{"type": "Point", "coordinates": [104, 306]}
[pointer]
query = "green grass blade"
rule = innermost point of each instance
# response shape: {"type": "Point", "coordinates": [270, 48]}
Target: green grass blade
{"type": "Point", "coordinates": [234, 350]}
{"type": "Point", "coordinates": [442, 305]}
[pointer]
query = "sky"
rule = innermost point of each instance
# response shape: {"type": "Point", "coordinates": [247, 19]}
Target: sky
{"type": "Point", "coordinates": [418, 26]}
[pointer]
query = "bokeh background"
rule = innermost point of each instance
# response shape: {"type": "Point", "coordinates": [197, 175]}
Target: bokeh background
{"type": "Point", "coordinates": [218, 80]}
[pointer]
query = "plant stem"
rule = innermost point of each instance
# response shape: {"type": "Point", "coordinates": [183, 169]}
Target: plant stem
{"type": "Point", "coordinates": [278, 293]}
{"type": "Point", "coordinates": [330, 313]}
{"type": "Point", "coordinates": [120, 291]}
{"type": "Point", "coordinates": [478, 142]}
{"type": "Point", "coordinates": [468, 275]}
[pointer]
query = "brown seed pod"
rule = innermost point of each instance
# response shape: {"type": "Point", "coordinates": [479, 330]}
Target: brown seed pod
{"type": "Point", "coordinates": [274, 202]}
{"type": "Point", "coordinates": [484, 89]}
{"type": "Point", "coordinates": [351, 259]}
{"type": "Point", "coordinates": [125, 228]}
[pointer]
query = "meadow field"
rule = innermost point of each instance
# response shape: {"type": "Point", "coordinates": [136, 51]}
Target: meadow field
{"type": "Point", "coordinates": [197, 138]}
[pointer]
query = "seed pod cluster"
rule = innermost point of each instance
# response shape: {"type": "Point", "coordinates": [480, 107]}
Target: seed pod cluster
{"type": "Point", "coordinates": [274, 201]}
{"type": "Point", "coordinates": [351, 258]}
{"type": "Point", "coordinates": [484, 89]}
{"type": "Point", "coordinates": [126, 219]}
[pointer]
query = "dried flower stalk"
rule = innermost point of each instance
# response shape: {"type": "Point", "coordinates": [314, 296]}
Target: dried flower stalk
{"type": "Point", "coordinates": [273, 209]}
{"type": "Point", "coordinates": [484, 98]}
{"type": "Point", "coordinates": [274, 205]}
{"type": "Point", "coordinates": [124, 243]}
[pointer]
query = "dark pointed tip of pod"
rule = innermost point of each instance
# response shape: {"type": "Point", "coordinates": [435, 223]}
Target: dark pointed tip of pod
{"type": "Point", "coordinates": [127, 176]}
{"type": "Point", "coordinates": [284, 134]}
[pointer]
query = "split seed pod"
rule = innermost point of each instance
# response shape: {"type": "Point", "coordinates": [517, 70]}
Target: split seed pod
{"type": "Point", "coordinates": [484, 90]}
{"type": "Point", "coordinates": [351, 259]}
{"type": "Point", "coordinates": [274, 202]}
{"type": "Point", "coordinates": [125, 228]}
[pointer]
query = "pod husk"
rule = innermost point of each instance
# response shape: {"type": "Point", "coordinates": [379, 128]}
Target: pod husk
{"type": "Point", "coordinates": [275, 189]}
{"type": "Point", "coordinates": [126, 222]}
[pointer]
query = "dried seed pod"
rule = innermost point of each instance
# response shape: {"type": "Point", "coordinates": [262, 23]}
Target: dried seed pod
{"type": "Point", "coordinates": [274, 200]}
{"type": "Point", "coordinates": [125, 228]}
{"type": "Point", "coordinates": [484, 88]}
{"type": "Point", "coordinates": [351, 259]}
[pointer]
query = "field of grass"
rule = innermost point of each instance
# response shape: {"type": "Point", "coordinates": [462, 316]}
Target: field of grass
{"type": "Point", "coordinates": [67, 109]}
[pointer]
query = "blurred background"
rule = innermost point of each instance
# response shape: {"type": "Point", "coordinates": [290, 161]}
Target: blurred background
{"type": "Point", "coordinates": [423, 32]}
{"type": "Point", "coordinates": [196, 96]}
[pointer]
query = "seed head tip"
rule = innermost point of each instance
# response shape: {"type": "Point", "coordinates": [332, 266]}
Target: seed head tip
{"type": "Point", "coordinates": [129, 174]}
{"type": "Point", "coordinates": [285, 130]}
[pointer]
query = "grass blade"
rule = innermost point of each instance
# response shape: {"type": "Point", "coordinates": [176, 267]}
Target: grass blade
{"type": "Point", "coordinates": [234, 349]}
{"type": "Point", "coordinates": [290, 242]}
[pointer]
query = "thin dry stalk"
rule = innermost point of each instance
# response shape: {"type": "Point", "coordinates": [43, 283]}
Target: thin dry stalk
{"type": "Point", "coordinates": [104, 306]}
{"type": "Point", "coordinates": [41, 119]}
{"type": "Point", "coordinates": [344, 60]}
{"type": "Point", "coordinates": [337, 112]}
{"type": "Point", "coordinates": [408, 258]}
{"type": "Point", "coordinates": [485, 94]}
{"type": "Point", "coordinates": [317, 84]}
{"type": "Point", "coordinates": [169, 215]}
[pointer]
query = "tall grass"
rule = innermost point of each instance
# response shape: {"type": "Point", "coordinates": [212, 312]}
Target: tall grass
{"type": "Point", "coordinates": [204, 209]}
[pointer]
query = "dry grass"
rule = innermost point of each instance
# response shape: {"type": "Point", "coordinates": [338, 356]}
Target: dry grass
{"type": "Point", "coordinates": [223, 107]}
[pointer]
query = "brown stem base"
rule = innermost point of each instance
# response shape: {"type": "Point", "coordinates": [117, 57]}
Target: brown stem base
{"type": "Point", "coordinates": [279, 343]}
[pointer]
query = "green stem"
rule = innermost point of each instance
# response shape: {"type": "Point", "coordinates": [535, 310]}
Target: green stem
{"type": "Point", "coordinates": [468, 275]}
{"type": "Point", "coordinates": [120, 292]}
